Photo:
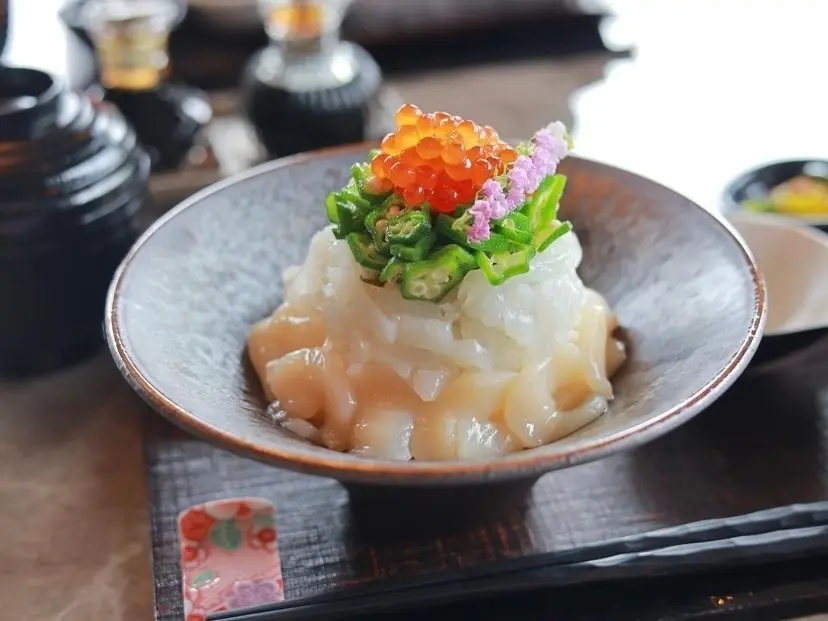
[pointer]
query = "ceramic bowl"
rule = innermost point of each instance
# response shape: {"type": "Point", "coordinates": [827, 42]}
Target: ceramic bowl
{"type": "Point", "coordinates": [759, 181]}
{"type": "Point", "coordinates": [793, 260]}
{"type": "Point", "coordinates": [685, 288]}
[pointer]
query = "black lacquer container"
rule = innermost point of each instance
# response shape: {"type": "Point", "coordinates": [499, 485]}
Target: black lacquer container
{"type": "Point", "coordinates": [72, 184]}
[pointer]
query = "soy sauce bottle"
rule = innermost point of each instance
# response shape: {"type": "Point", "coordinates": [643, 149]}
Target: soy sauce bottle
{"type": "Point", "coordinates": [308, 89]}
{"type": "Point", "coordinates": [131, 40]}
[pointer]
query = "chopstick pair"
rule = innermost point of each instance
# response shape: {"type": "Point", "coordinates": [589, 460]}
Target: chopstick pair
{"type": "Point", "coordinates": [761, 536]}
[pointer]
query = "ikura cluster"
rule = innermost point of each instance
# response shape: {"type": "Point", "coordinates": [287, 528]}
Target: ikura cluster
{"type": "Point", "coordinates": [439, 158]}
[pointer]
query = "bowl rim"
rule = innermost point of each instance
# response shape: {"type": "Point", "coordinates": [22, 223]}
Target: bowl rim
{"type": "Point", "coordinates": [730, 206]}
{"type": "Point", "coordinates": [354, 469]}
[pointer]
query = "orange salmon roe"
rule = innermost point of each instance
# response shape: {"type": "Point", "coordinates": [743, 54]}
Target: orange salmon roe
{"type": "Point", "coordinates": [439, 158]}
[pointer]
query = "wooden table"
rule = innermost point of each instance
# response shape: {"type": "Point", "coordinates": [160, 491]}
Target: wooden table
{"type": "Point", "coordinates": [704, 96]}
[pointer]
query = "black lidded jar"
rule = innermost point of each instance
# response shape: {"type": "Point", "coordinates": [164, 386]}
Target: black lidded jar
{"type": "Point", "coordinates": [308, 89]}
{"type": "Point", "coordinates": [73, 181]}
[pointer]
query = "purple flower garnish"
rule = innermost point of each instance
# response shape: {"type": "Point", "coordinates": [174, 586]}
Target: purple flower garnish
{"type": "Point", "coordinates": [492, 205]}
{"type": "Point", "coordinates": [479, 229]}
{"type": "Point", "coordinates": [549, 146]}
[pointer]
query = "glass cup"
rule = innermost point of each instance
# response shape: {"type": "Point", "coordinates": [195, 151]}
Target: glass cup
{"type": "Point", "coordinates": [131, 39]}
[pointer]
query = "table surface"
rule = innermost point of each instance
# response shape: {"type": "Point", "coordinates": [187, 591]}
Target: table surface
{"type": "Point", "coordinates": [704, 96]}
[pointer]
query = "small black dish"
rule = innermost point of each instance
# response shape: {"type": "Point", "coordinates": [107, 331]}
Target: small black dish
{"type": "Point", "coordinates": [757, 183]}
{"type": "Point", "coordinates": [774, 347]}
{"type": "Point", "coordinates": [73, 180]}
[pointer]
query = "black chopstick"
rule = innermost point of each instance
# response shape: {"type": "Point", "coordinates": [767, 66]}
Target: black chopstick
{"type": "Point", "coordinates": [776, 545]}
{"type": "Point", "coordinates": [707, 537]}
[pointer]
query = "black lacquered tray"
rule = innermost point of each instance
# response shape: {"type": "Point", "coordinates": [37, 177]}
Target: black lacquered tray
{"type": "Point", "coordinates": [696, 516]}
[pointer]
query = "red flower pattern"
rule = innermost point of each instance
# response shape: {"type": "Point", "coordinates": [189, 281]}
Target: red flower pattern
{"type": "Point", "coordinates": [195, 525]}
{"type": "Point", "coordinates": [189, 553]}
{"type": "Point", "coordinates": [266, 535]}
{"type": "Point", "coordinates": [205, 574]}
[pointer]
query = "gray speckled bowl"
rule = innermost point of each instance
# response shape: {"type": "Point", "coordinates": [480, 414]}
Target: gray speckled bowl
{"type": "Point", "coordinates": [685, 289]}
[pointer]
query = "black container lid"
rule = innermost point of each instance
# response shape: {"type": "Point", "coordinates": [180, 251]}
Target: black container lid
{"type": "Point", "coordinates": [29, 103]}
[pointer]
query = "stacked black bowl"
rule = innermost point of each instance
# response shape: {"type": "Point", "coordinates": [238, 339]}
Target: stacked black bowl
{"type": "Point", "coordinates": [73, 180]}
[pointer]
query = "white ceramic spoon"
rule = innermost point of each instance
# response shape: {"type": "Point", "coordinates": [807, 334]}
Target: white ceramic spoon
{"type": "Point", "coordinates": [794, 261]}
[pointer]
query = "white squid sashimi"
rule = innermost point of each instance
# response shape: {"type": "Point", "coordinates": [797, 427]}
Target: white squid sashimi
{"type": "Point", "coordinates": [444, 424]}
{"type": "Point", "coordinates": [558, 302]}
{"type": "Point", "coordinates": [564, 256]}
{"type": "Point", "coordinates": [593, 336]}
{"type": "Point", "coordinates": [427, 326]}
{"type": "Point", "coordinates": [434, 437]}
{"type": "Point", "coordinates": [506, 353]}
{"type": "Point", "coordinates": [483, 440]}
{"type": "Point", "coordinates": [506, 308]}
{"type": "Point", "coordinates": [347, 306]}
{"type": "Point", "coordinates": [311, 384]}
{"type": "Point", "coordinates": [303, 285]}
{"type": "Point", "coordinates": [466, 354]}
{"type": "Point", "coordinates": [383, 432]}
{"type": "Point", "coordinates": [532, 414]}
{"type": "Point", "coordinates": [385, 415]}
{"type": "Point", "coordinates": [425, 372]}
{"type": "Point", "coordinates": [286, 330]}
{"type": "Point", "coordinates": [568, 377]}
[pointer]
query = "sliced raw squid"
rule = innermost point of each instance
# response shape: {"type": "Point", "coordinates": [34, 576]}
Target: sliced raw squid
{"type": "Point", "coordinates": [489, 370]}
{"type": "Point", "coordinates": [532, 413]}
{"type": "Point", "coordinates": [286, 330]}
{"type": "Point", "coordinates": [460, 423]}
{"type": "Point", "coordinates": [385, 415]}
{"type": "Point", "coordinates": [311, 385]}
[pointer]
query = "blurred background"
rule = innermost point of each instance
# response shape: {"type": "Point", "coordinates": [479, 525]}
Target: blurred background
{"type": "Point", "coordinates": [513, 64]}
{"type": "Point", "coordinates": [660, 88]}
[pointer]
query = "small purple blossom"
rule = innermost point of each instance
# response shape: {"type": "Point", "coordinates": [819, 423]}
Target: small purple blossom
{"type": "Point", "coordinates": [550, 146]}
{"type": "Point", "coordinates": [545, 140]}
{"type": "Point", "coordinates": [479, 230]}
{"type": "Point", "coordinates": [482, 207]}
{"type": "Point", "coordinates": [498, 203]}
{"type": "Point", "coordinates": [252, 593]}
{"type": "Point", "coordinates": [519, 175]}
{"type": "Point", "coordinates": [481, 213]}
{"type": "Point", "coordinates": [515, 197]}
{"type": "Point", "coordinates": [543, 162]}
{"type": "Point", "coordinates": [559, 145]}
{"type": "Point", "coordinates": [524, 177]}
